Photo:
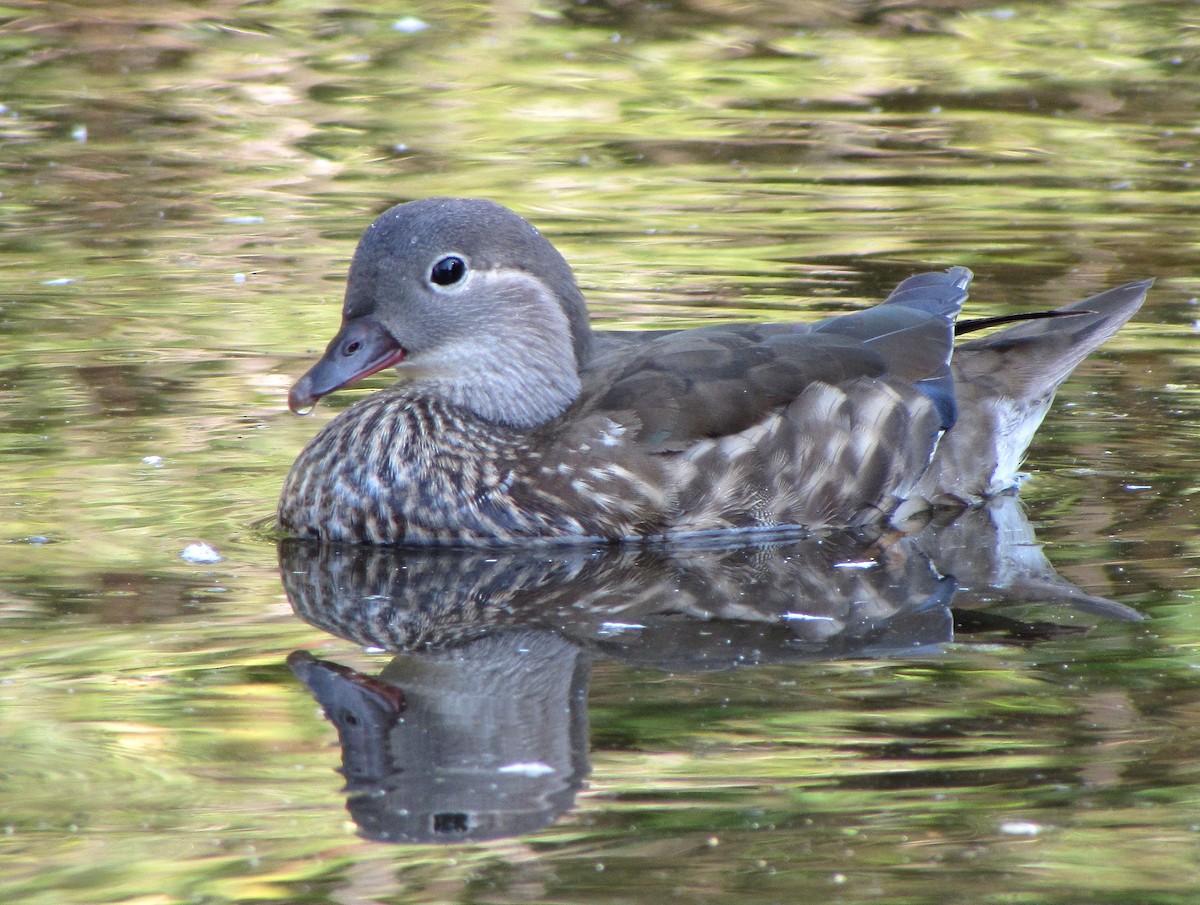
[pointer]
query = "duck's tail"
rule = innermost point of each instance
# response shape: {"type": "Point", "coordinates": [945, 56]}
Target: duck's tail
{"type": "Point", "coordinates": [1004, 384]}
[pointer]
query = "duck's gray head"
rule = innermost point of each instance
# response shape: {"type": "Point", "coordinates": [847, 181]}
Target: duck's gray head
{"type": "Point", "coordinates": [467, 300]}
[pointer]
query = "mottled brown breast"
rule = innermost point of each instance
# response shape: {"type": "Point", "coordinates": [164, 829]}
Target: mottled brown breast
{"type": "Point", "coordinates": [402, 468]}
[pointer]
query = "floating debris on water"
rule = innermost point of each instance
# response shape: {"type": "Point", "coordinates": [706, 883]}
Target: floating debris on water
{"type": "Point", "coordinates": [200, 553]}
{"type": "Point", "coordinates": [1020, 828]}
{"type": "Point", "coordinates": [409, 25]}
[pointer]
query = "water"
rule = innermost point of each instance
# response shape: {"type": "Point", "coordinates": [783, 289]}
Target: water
{"type": "Point", "coordinates": [181, 187]}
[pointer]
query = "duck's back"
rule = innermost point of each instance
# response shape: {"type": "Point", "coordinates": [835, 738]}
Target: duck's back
{"type": "Point", "coordinates": [816, 425]}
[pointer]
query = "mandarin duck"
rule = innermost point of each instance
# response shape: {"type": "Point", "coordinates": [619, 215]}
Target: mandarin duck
{"type": "Point", "coordinates": [513, 421]}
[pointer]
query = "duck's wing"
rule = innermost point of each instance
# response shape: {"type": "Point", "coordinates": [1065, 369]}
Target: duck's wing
{"type": "Point", "coordinates": [678, 388]}
{"type": "Point", "coordinates": [1005, 383]}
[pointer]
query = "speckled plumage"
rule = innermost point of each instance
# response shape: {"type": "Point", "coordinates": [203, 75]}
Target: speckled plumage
{"type": "Point", "coordinates": [404, 467]}
{"type": "Point", "coordinates": [513, 421]}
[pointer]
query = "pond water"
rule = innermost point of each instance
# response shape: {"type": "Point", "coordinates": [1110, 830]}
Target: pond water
{"type": "Point", "coordinates": [952, 717]}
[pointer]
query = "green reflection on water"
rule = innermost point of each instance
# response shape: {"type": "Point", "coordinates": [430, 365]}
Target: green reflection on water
{"type": "Point", "coordinates": [181, 186]}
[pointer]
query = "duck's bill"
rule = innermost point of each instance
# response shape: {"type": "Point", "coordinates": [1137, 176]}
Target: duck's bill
{"type": "Point", "coordinates": [361, 348]}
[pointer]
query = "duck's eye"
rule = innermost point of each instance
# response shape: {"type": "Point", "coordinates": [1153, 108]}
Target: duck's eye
{"type": "Point", "coordinates": [448, 271]}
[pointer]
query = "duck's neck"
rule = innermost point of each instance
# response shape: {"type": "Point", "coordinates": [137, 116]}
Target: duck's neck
{"type": "Point", "coordinates": [521, 371]}
{"type": "Point", "coordinates": [519, 393]}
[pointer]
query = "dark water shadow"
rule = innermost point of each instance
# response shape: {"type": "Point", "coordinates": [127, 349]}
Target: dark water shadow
{"type": "Point", "coordinates": [478, 728]}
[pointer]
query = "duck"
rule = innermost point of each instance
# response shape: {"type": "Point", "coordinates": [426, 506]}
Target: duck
{"type": "Point", "coordinates": [513, 421]}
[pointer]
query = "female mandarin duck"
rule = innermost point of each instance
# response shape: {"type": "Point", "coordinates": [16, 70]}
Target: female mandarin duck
{"type": "Point", "coordinates": [514, 421]}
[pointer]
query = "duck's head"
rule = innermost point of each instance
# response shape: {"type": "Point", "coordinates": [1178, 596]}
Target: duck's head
{"type": "Point", "coordinates": [467, 300]}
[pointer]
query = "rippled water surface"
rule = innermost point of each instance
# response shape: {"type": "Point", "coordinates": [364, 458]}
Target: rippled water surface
{"type": "Point", "coordinates": [181, 187]}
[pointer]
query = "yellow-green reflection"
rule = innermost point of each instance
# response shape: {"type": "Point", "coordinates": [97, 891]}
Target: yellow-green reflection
{"type": "Point", "coordinates": [181, 186]}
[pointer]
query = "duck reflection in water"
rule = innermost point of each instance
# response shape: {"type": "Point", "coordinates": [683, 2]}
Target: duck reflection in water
{"type": "Point", "coordinates": [478, 728]}
{"type": "Point", "coordinates": [480, 742]}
